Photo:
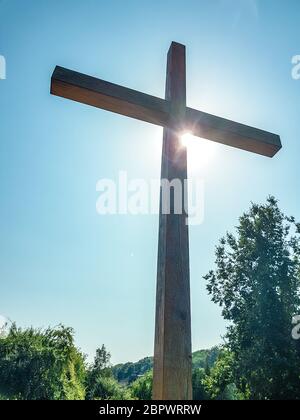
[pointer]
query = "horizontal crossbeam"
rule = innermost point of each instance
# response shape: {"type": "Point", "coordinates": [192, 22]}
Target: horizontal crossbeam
{"type": "Point", "coordinates": [131, 103]}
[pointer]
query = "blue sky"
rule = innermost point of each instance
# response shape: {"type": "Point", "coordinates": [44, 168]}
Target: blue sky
{"type": "Point", "coordinates": [60, 262]}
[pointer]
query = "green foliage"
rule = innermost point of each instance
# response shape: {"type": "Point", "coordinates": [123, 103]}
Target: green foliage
{"type": "Point", "coordinates": [199, 390]}
{"type": "Point", "coordinates": [219, 383]}
{"type": "Point", "coordinates": [257, 284]}
{"type": "Point", "coordinates": [141, 388]}
{"type": "Point", "coordinates": [205, 358]}
{"type": "Point", "coordinates": [45, 364]}
{"type": "Point", "coordinates": [101, 365]}
{"type": "Point", "coordinates": [129, 372]}
{"type": "Point", "coordinates": [41, 365]}
{"type": "Point", "coordinates": [100, 383]}
{"type": "Point", "coordinates": [107, 388]}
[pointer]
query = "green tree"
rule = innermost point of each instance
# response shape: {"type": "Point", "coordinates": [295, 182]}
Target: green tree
{"type": "Point", "coordinates": [102, 358]}
{"type": "Point", "coordinates": [41, 365]}
{"type": "Point", "coordinates": [219, 383]}
{"type": "Point", "coordinates": [205, 358]}
{"type": "Point", "coordinates": [107, 388]}
{"type": "Point", "coordinates": [129, 372]}
{"type": "Point", "coordinates": [199, 390]}
{"type": "Point", "coordinates": [141, 388]}
{"type": "Point", "coordinates": [100, 383]}
{"type": "Point", "coordinates": [256, 282]}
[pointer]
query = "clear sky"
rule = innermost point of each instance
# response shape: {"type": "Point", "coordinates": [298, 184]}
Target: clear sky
{"type": "Point", "coordinates": [60, 262]}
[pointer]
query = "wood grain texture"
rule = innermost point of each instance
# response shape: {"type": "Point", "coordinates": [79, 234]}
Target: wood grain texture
{"type": "Point", "coordinates": [131, 103]}
{"type": "Point", "coordinates": [109, 96]}
{"type": "Point", "coordinates": [231, 133]}
{"type": "Point", "coordinates": [172, 371]}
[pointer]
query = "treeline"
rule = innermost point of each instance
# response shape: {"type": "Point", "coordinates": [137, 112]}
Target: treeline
{"type": "Point", "coordinates": [128, 372]}
{"type": "Point", "coordinates": [256, 282]}
{"type": "Point", "coordinates": [46, 365]}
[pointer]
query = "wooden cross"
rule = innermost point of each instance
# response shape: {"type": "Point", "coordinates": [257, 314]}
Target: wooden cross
{"type": "Point", "coordinates": [172, 375]}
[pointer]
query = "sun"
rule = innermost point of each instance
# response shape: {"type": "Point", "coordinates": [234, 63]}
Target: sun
{"type": "Point", "coordinates": [200, 151]}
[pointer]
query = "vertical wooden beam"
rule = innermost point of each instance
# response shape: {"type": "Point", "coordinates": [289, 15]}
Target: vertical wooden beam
{"type": "Point", "coordinates": [172, 377]}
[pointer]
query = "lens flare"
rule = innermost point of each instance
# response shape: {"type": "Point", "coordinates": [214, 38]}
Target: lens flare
{"type": "Point", "coordinates": [200, 151]}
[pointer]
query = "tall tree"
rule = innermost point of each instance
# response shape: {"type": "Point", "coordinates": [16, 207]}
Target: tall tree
{"type": "Point", "coordinates": [141, 388]}
{"type": "Point", "coordinates": [100, 383]}
{"type": "Point", "coordinates": [257, 283]}
{"type": "Point", "coordinates": [102, 360]}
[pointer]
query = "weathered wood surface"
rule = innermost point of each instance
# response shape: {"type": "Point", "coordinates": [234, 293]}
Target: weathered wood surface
{"type": "Point", "coordinates": [172, 371]}
{"type": "Point", "coordinates": [101, 94]}
{"type": "Point", "coordinates": [131, 103]}
{"type": "Point", "coordinates": [231, 133]}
